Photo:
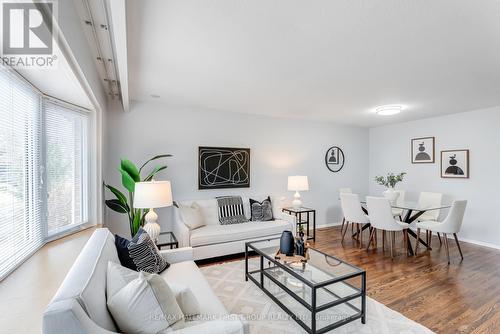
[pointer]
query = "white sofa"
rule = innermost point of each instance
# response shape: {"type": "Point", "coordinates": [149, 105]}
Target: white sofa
{"type": "Point", "coordinates": [79, 305]}
{"type": "Point", "coordinates": [215, 239]}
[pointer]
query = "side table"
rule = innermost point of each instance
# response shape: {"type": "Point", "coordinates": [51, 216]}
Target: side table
{"type": "Point", "coordinates": [304, 216]}
{"type": "Point", "coordinates": [166, 239]}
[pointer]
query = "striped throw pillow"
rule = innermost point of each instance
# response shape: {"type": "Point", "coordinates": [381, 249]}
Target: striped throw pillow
{"type": "Point", "coordinates": [231, 210]}
{"type": "Point", "coordinates": [145, 255]}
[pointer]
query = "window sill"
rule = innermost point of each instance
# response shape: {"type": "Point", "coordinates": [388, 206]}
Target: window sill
{"type": "Point", "coordinates": [70, 230]}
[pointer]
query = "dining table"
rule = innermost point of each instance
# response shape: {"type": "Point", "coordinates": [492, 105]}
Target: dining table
{"type": "Point", "coordinates": [411, 212]}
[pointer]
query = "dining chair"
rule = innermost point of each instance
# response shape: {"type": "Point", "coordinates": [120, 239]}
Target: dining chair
{"type": "Point", "coordinates": [429, 199]}
{"type": "Point", "coordinates": [400, 200]}
{"type": "Point", "coordinates": [450, 225]}
{"type": "Point", "coordinates": [381, 218]}
{"type": "Point", "coordinates": [351, 206]}
{"type": "Point", "coordinates": [344, 191]}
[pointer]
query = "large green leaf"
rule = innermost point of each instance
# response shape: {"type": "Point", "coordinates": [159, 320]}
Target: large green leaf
{"type": "Point", "coordinates": [119, 195]}
{"type": "Point", "coordinates": [117, 206]}
{"type": "Point", "coordinates": [131, 169]}
{"type": "Point", "coordinates": [155, 171]}
{"type": "Point", "coordinates": [154, 158]}
{"type": "Point", "coordinates": [127, 181]}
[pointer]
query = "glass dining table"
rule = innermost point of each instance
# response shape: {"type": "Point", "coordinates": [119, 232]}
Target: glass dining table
{"type": "Point", "coordinates": [411, 212]}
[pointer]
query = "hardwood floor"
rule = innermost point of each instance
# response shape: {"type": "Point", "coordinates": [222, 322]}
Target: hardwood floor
{"type": "Point", "coordinates": [463, 297]}
{"type": "Point", "coordinates": [26, 292]}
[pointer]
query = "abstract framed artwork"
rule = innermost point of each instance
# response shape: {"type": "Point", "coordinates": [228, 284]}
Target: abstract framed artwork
{"type": "Point", "coordinates": [422, 150]}
{"type": "Point", "coordinates": [455, 164]}
{"type": "Point", "coordinates": [223, 167]}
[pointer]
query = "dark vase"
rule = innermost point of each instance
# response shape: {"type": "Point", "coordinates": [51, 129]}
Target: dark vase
{"type": "Point", "coordinates": [287, 242]}
{"type": "Point", "coordinates": [299, 247]}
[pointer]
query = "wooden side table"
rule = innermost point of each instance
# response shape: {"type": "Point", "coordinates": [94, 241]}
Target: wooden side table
{"type": "Point", "coordinates": [304, 216]}
{"type": "Point", "coordinates": [166, 239]}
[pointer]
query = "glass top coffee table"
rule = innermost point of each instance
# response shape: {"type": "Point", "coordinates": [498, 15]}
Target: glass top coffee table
{"type": "Point", "coordinates": [319, 295]}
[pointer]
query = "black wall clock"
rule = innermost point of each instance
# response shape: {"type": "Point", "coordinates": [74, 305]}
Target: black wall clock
{"type": "Point", "coordinates": [334, 159]}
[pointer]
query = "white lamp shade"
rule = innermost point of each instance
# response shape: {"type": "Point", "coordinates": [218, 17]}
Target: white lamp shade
{"type": "Point", "coordinates": [154, 194]}
{"type": "Point", "coordinates": [298, 183]}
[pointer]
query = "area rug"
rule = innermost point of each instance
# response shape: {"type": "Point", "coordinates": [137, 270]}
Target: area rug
{"type": "Point", "coordinates": [266, 317]}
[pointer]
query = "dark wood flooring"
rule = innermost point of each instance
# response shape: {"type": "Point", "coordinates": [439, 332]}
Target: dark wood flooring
{"type": "Point", "coordinates": [463, 297]}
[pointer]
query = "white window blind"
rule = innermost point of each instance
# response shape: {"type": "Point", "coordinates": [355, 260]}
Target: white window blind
{"type": "Point", "coordinates": [66, 133]}
{"type": "Point", "coordinates": [21, 227]}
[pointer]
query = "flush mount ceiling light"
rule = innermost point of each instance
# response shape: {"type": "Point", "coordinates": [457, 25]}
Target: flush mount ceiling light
{"type": "Point", "coordinates": [389, 110]}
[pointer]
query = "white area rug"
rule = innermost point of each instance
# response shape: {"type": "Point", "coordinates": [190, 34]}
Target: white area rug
{"type": "Point", "coordinates": [265, 316]}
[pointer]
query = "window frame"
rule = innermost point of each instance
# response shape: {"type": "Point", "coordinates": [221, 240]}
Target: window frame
{"type": "Point", "coordinates": [86, 170]}
{"type": "Point", "coordinates": [89, 204]}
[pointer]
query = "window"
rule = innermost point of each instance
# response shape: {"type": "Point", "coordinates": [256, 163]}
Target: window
{"type": "Point", "coordinates": [44, 172]}
{"type": "Point", "coordinates": [21, 230]}
{"type": "Point", "coordinates": [66, 167]}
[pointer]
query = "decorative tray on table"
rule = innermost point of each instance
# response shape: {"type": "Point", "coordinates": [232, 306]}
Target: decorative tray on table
{"type": "Point", "coordinates": [292, 259]}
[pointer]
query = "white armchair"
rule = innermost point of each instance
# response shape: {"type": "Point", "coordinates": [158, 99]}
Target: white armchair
{"type": "Point", "coordinates": [450, 225]}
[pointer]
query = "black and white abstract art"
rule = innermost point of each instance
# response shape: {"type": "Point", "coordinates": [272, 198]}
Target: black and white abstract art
{"type": "Point", "coordinates": [223, 167]}
{"type": "Point", "coordinates": [455, 164]}
{"type": "Point", "coordinates": [422, 150]}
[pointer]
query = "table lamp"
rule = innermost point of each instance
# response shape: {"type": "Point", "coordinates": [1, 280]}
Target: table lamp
{"type": "Point", "coordinates": [150, 195]}
{"type": "Point", "coordinates": [297, 183]}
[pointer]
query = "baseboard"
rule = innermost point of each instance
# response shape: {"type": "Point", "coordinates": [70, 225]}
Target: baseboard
{"type": "Point", "coordinates": [478, 243]}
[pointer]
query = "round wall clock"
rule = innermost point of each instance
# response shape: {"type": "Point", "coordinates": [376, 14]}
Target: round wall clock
{"type": "Point", "coordinates": [334, 159]}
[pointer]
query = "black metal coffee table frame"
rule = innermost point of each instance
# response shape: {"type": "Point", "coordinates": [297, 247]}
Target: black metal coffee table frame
{"type": "Point", "coordinates": [313, 308]}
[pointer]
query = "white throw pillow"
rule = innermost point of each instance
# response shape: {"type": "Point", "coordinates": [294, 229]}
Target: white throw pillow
{"type": "Point", "coordinates": [192, 216]}
{"type": "Point", "coordinates": [186, 299]}
{"type": "Point", "coordinates": [146, 305]}
{"type": "Point", "coordinates": [118, 277]}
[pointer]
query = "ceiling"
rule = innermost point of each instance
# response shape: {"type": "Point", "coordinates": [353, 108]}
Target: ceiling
{"type": "Point", "coordinates": [59, 82]}
{"type": "Point", "coordinates": [323, 60]}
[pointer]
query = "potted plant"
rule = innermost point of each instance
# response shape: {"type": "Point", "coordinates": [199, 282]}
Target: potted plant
{"type": "Point", "coordinates": [390, 182]}
{"type": "Point", "coordinates": [130, 175]}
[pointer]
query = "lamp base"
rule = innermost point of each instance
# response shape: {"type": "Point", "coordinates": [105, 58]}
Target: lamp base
{"type": "Point", "coordinates": [153, 229]}
{"type": "Point", "coordinates": [151, 226]}
{"type": "Point", "coordinates": [297, 203]}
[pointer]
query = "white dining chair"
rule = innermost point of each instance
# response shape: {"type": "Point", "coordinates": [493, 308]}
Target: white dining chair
{"type": "Point", "coordinates": [381, 218]}
{"type": "Point", "coordinates": [450, 225]}
{"type": "Point", "coordinates": [351, 206]}
{"type": "Point", "coordinates": [344, 191]}
{"type": "Point", "coordinates": [396, 212]}
{"type": "Point", "coordinates": [427, 200]}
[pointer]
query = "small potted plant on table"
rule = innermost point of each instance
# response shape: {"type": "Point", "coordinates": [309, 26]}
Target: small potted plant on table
{"type": "Point", "coordinates": [390, 182]}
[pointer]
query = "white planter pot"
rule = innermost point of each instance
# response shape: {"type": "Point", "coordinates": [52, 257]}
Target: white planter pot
{"type": "Point", "coordinates": [391, 195]}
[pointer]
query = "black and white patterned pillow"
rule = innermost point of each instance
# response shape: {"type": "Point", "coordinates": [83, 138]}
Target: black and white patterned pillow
{"type": "Point", "coordinates": [261, 211]}
{"type": "Point", "coordinates": [145, 255]}
{"type": "Point", "coordinates": [231, 210]}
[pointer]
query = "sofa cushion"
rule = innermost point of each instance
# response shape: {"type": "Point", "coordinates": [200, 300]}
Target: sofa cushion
{"type": "Point", "coordinates": [188, 274]}
{"type": "Point", "coordinates": [215, 234]}
{"type": "Point", "coordinates": [208, 209]}
{"type": "Point", "coordinates": [231, 210]}
{"type": "Point", "coordinates": [192, 215]}
{"type": "Point", "coordinates": [86, 280]}
{"type": "Point", "coordinates": [146, 305]}
{"type": "Point", "coordinates": [261, 210]}
{"type": "Point", "coordinates": [146, 255]}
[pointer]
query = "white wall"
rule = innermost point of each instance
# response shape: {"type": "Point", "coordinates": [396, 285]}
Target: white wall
{"type": "Point", "coordinates": [477, 131]}
{"type": "Point", "coordinates": [279, 147]}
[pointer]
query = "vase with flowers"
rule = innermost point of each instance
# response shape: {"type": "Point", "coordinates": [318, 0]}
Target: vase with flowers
{"type": "Point", "coordinates": [390, 181]}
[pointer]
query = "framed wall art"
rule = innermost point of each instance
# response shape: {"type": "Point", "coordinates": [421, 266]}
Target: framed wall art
{"type": "Point", "coordinates": [422, 150]}
{"type": "Point", "coordinates": [455, 164]}
{"type": "Point", "coordinates": [223, 167]}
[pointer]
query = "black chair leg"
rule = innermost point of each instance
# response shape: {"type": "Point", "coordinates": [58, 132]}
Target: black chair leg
{"type": "Point", "coordinates": [458, 245]}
